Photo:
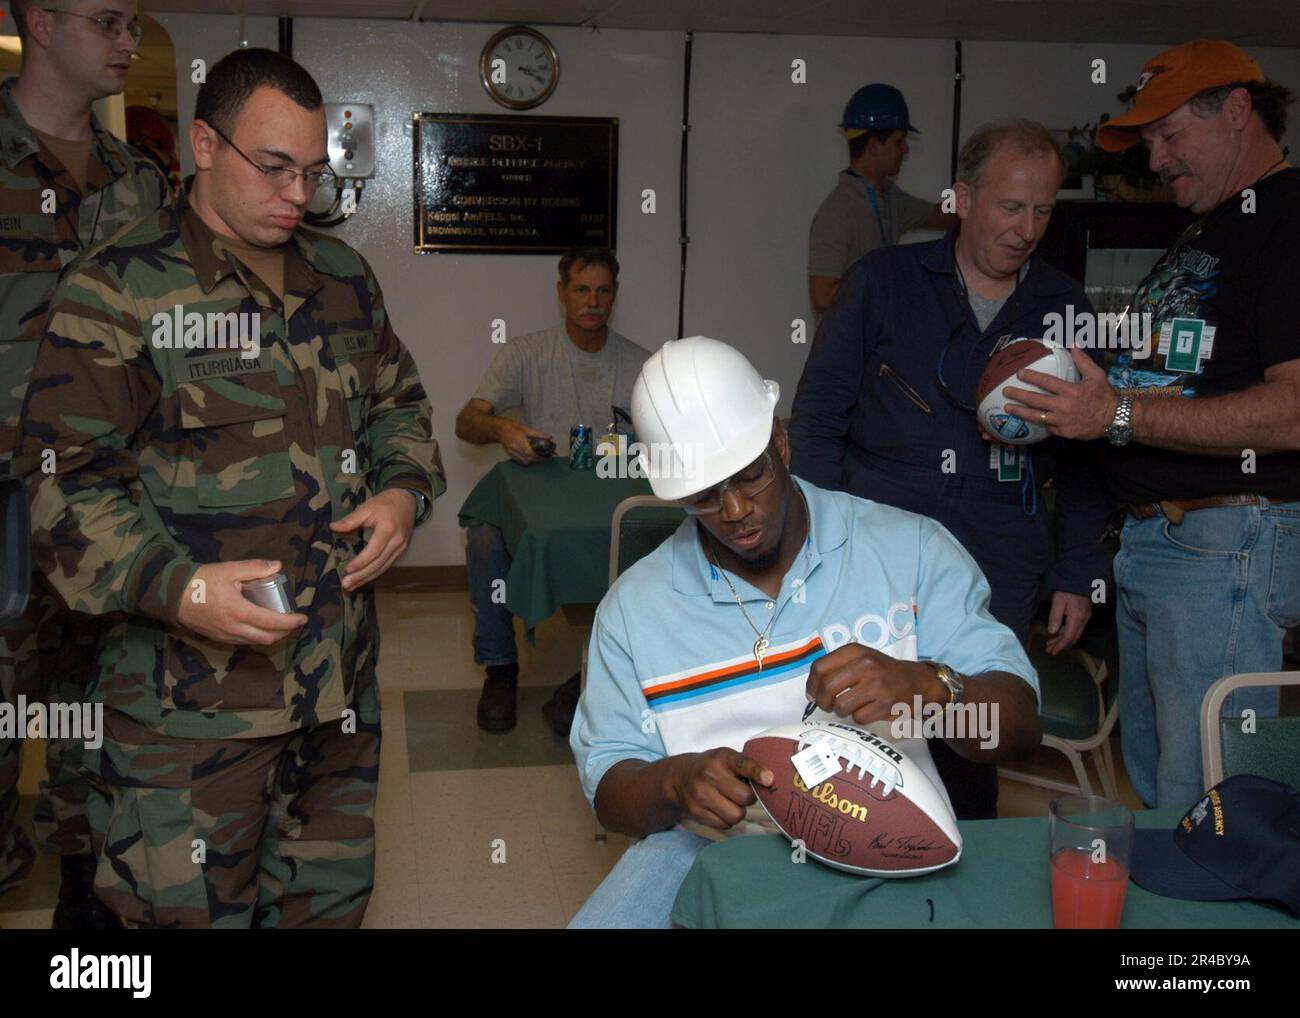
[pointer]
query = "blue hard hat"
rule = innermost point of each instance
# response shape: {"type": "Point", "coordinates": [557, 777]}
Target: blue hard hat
{"type": "Point", "coordinates": [876, 107]}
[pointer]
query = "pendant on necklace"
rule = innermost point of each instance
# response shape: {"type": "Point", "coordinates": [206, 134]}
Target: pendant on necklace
{"type": "Point", "coordinates": [760, 650]}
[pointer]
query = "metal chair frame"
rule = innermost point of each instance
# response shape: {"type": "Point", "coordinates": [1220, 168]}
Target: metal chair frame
{"type": "Point", "coordinates": [1212, 707]}
{"type": "Point", "coordinates": [615, 540]}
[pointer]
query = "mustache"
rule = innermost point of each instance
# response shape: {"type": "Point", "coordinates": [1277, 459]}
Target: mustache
{"type": "Point", "coordinates": [1170, 172]}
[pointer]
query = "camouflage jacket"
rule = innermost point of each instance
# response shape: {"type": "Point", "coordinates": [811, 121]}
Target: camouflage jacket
{"type": "Point", "coordinates": [166, 457]}
{"type": "Point", "coordinates": [45, 224]}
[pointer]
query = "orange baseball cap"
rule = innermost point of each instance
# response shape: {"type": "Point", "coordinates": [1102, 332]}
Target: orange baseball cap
{"type": "Point", "coordinates": [1169, 79]}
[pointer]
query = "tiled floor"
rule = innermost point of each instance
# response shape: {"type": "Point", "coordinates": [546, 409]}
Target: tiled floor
{"type": "Point", "coordinates": [474, 830]}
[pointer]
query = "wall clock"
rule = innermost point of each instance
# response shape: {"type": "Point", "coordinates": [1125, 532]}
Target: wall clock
{"type": "Point", "coordinates": [519, 68]}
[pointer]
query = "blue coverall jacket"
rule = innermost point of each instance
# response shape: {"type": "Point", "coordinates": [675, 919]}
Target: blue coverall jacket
{"type": "Point", "coordinates": [871, 418]}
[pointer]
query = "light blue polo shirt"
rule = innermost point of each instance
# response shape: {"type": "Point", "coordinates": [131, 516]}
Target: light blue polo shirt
{"type": "Point", "coordinates": [670, 667]}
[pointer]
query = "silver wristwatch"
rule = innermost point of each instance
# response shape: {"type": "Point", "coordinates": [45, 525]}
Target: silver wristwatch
{"type": "Point", "coordinates": [1120, 431]}
{"type": "Point", "coordinates": [421, 506]}
{"type": "Point", "coordinates": [951, 680]}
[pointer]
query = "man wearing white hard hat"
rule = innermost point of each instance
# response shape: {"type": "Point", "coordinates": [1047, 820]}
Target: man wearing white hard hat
{"type": "Point", "coordinates": [772, 593]}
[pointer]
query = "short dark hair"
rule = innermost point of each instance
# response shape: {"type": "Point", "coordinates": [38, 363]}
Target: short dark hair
{"type": "Point", "coordinates": [581, 257]}
{"type": "Point", "coordinates": [236, 76]}
{"type": "Point", "coordinates": [18, 11]}
{"type": "Point", "coordinates": [858, 145]}
{"type": "Point", "coordinates": [1267, 98]}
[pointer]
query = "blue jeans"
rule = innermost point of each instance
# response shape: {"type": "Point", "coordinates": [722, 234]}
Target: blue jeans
{"type": "Point", "coordinates": [1210, 597]}
{"type": "Point", "coordinates": [487, 561]}
{"type": "Point", "coordinates": [639, 892]}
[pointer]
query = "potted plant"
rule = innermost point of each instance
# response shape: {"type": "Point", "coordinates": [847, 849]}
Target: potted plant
{"type": "Point", "coordinates": [1125, 175]}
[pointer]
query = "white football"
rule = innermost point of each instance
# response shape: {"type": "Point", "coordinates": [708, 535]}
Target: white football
{"type": "Point", "coordinates": [878, 815]}
{"type": "Point", "coordinates": [1036, 354]}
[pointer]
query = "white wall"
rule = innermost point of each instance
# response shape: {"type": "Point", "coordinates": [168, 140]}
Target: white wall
{"type": "Point", "coordinates": [765, 152]}
{"type": "Point", "coordinates": [442, 305]}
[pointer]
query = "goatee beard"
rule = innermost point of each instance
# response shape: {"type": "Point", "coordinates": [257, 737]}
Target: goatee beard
{"type": "Point", "coordinates": [766, 560]}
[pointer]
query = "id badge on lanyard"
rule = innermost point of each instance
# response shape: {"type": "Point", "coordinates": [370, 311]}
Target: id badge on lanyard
{"type": "Point", "coordinates": [875, 207]}
{"type": "Point", "coordinates": [1007, 460]}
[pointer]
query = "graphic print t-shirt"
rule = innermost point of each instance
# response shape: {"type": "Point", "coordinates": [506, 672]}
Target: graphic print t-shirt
{"type": "Point", "coordinates": [1224, 310]}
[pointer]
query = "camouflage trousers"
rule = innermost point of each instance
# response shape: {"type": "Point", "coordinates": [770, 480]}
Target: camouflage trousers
{"type": "Point", "coordinates": [49, 655]}
{"type": "Point", "coordinates": [238, 833]}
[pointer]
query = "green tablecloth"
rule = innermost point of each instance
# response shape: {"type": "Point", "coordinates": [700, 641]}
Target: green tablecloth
{"type": "Point", "coordinates": [556, 524]}
{"type": "Point", "coordinates": [1002, 881]}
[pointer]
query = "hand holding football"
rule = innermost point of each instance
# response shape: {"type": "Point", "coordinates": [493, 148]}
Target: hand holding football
{"type": "Point", "coordinates": [713, 788]}
{"type": "Point", "coordinates": [1000, 374]}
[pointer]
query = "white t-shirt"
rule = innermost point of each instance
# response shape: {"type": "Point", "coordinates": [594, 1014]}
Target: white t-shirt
{"type": "Point", "coordinates": [551, 385]}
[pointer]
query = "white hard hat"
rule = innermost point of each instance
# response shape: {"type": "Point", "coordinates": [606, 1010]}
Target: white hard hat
{"type": "Point", "coordinates": [701, 414]}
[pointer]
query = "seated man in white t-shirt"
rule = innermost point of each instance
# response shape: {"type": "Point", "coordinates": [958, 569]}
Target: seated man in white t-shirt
{"type": "Point", "coordinates": [551, 380]}
{"type": "Point", "coordinates": [773, 592]}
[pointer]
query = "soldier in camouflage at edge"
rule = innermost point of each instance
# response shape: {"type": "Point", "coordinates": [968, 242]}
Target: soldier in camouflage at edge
{"type": "Point", "coordinates": [66, 184]}
{"type": "Point", "coordinates": [241, 754]}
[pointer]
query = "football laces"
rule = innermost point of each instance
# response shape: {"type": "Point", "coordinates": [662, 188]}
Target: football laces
{"type": "Point", "coordinates": [861, 758]}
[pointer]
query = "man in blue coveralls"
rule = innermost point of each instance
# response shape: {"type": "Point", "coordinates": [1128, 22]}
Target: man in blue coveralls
{"type": "Point", "coordinates": [886, 405]}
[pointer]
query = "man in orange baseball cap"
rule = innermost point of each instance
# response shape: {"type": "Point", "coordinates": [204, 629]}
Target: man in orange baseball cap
{"type": "Point", "coordinates": [1190, 81]}
{"type": "Point", "coordinates": [1208, 572]}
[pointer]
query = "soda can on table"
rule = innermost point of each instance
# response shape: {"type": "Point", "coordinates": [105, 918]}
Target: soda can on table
{"type": "Point", "coordinates": [272, 592]}
{"type": "Point", "coordinates": [580, 451]}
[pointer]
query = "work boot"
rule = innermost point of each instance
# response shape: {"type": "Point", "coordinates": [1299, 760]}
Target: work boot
{"type": "Point", "coordinates": [78, 908]}
{"type": "Point", "coordinates": [559, 709]}
{"type": "Point", "coordinates": [496, 707]}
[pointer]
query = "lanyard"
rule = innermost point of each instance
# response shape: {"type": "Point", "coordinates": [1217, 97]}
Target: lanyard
{"type": "Point", "coordinates": [967, 316]}
{"type": "Point", "coordinates": [875, 207]}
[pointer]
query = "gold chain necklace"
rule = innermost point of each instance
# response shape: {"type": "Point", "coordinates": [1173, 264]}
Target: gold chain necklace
{"type": "Point", "coordinates": [761, 644]}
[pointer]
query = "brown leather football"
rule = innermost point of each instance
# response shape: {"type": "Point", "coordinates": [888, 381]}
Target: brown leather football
{"type": "Point", "coordinates": [1000, 373]}
{"type": "Point", "coordinates": [879, 816]}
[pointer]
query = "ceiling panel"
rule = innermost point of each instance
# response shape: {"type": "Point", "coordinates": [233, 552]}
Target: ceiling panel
{"type": "Point", "coordinates": [1270, 22]}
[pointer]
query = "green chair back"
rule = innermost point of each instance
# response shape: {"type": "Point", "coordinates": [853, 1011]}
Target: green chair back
{"type": "Point", "coordinates": [642, 530]}
{"type": "Point", "coordinates": [1271, 751]}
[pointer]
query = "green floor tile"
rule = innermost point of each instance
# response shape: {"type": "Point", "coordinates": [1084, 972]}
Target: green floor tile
{"type": "Point", "coordinates": [41, 889]}
{"type": "Point", "coordinates": [442, 735]}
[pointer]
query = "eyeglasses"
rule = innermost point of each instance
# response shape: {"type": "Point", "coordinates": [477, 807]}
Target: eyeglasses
{"type": "Point", "coordinates": [281, 177]}
{"type": "Point", "coordinates": [110, 24]}
{"type": "Point", "coordinates": [748, 484]}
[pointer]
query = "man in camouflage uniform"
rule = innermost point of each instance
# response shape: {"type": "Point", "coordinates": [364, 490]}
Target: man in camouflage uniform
{"type": "Point", "coordinates": [66, 184]}
{"type": "Point", "coordinates": [241, 753]}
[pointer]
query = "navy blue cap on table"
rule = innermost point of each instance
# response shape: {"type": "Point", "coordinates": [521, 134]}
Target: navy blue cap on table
{"type": "Point", "coordinates": [1241, 840]}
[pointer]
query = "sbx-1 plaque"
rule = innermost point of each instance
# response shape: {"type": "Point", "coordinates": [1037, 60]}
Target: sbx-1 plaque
{"type": "Point", "coordinates": [514, 184]}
